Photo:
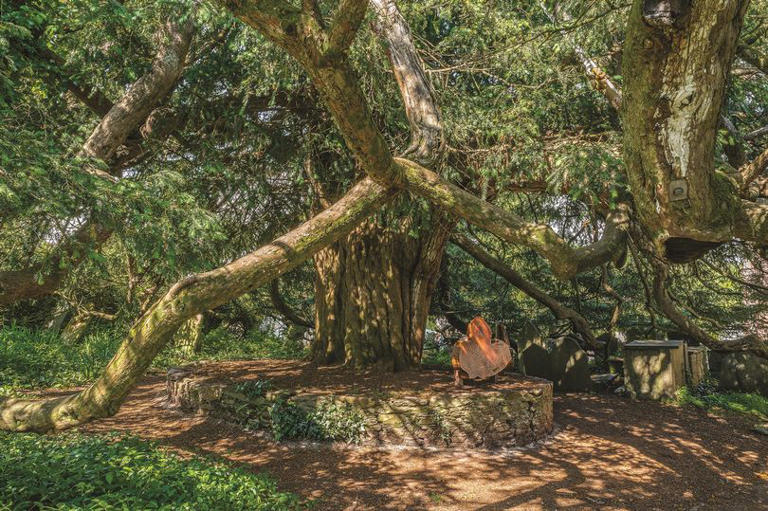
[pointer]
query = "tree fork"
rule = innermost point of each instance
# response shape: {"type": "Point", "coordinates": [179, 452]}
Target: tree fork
{"type": "Point", "coordinates": [337, 84]}
{"type": "Point", "coordinates": [156, 327]}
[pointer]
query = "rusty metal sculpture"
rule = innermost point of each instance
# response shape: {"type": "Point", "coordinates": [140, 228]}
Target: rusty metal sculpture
{"type": "Point", "coordinates": [478, 355]}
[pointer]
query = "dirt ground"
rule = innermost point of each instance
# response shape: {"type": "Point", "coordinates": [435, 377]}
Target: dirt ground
{"type": "Point", "coordinates": [608, 453]}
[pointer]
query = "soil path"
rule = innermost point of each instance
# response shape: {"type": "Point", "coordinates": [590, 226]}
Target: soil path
{"type": "Point", "coordinates": [609, 453]}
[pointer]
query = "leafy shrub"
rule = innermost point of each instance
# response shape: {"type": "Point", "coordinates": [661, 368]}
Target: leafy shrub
{"type": "Point", "coordinates": [331, 420]}
{"type": "Point", "coordinates": [39, 358]}
{"type": "Point", "coordinates": [340, 421]}
{"type": "Point", "coordinates": [290, 422]}
{"type": "Point", "coordinates": [221, 344]}
{"type": "Point", "coordinates": [75, 471]}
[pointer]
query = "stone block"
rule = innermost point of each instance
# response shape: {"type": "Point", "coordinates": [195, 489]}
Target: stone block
{"type": "Point", "coordinates": [744, 372]}
{"type": "Point", "coordinates": [561, 361]}
{"type": "Point", "coordinates": [698, 365]}
{"type": "Point", "coordinates": [654, 369]}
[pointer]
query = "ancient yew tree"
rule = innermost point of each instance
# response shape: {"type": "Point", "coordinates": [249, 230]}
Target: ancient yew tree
{"type": "Point", "coordinates": [390, 176]}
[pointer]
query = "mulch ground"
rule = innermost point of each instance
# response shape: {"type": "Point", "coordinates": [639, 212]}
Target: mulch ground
{"type": "Point", "coordinates": [608, 453]}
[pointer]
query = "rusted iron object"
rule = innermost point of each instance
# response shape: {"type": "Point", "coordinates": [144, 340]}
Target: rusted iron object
{"type": "Point", "coordinates": [478, 355]}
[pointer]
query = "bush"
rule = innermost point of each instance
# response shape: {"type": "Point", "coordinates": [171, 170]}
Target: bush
{"type": "Point", "coordinates": [75, 471]}
{"type": "Point", "coordinates": [221, 344]}
{"type": "Point", "coordinates": [38, 358]}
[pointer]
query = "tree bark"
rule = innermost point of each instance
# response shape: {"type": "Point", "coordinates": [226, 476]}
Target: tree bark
{"type": "Point", "coordinates": [280, 306]}
{"type": "Point", "coordinates": [189, 336]}
{"type": "Point", "coordinates": [676, 64]}
{"type": "Point", "coordinates": [184, 300]}
{"type": "Point", "coordinates": [373, 291]}
{"type": "Point", "coordinates": [427, 138]}
{"type": "Point", "coordinates": [337, 83]}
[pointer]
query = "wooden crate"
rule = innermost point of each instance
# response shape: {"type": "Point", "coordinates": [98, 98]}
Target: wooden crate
{"type": "Point", "coordinates": [654, 369]}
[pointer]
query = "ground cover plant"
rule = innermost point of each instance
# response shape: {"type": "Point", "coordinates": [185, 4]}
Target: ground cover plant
{"type": "Point", "coordinates": [87, 472]}
{"type": "Point", "coordinates": [33, 358]}
{"type": "Point", "coordinates": [708, 397]}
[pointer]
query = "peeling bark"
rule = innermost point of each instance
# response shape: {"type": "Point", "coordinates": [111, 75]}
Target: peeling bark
{"type": "Point", "coordinates": [676, 67]}
{"type": "Point", "coordinates": [184, 300]}
{"type": "Point", "coordinates": [373, 292]}
{"type": "Point", "coordinates": [427, 139]}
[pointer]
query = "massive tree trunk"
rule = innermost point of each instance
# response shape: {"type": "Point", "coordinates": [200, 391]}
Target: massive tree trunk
{"type": "Point", "coordinates": [678, 56]}
{"type": "Point", "coordinates": [373, 291]}
{"type": "Point", "coordinates": [374, 288]}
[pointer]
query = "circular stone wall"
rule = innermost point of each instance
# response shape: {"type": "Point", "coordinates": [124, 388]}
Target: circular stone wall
{"type": "Point", "coordinates": [514, 411]}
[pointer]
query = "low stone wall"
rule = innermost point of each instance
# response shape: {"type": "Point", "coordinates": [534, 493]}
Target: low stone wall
{"type": "Point", "coordinates": [488, 417]}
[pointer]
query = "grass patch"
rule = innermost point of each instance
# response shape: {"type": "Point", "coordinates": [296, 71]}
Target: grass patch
{"type": "Point", "coordinates": [33, 359]}
{"type": "Point", "coordinates": [75, 471]}
{"type": "Point", "coordinates": [710, 399]}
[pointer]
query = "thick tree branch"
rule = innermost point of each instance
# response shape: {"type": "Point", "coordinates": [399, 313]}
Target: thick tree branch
{"type": "Point", "coordinates": [427, 139]}
{"type": "Point", "coordinates": [666, 304]}
{"type": "Point", "coordinates": [339, 88]}
{"type": "Point", "coordinates": [753, 170]}
{"type": "Point", "coordinates": [751, 224]}
{"type": "Point", "coordinates": [184, 300]}
{"type": "Point", "coordinates": [122, 119]}
{"type": "Point", "coordinates": [137, 103]}
{"type": "Point", "coordinates": [283, 308]}
{"type": "Point", "coordinates": [346, 22]}
{"type": "Point", "coordinates": [560, 311]}
{"type": "Point", "coordinates": [566, 260]}
{"type": "Point", "coordinates": [16, 285]}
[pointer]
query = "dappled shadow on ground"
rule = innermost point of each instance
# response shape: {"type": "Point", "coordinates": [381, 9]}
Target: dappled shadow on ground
{"type": "Point", "coordinates": [307, 377]}
{"type": "Point", "coordinates": [610, 453]}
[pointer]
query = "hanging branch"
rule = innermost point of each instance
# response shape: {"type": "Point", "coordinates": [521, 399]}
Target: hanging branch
{"type": "Point", "coordinates": [560, 311]}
